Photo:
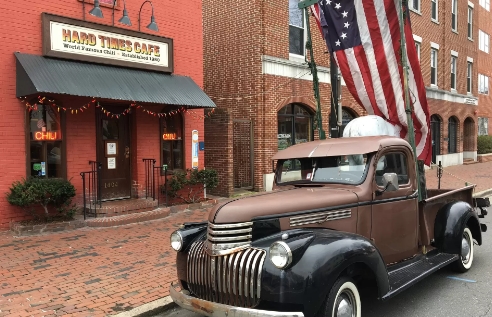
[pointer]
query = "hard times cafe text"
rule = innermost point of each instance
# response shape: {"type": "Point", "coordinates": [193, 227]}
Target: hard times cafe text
{"type": "Point", "coordinates": [110, 42]}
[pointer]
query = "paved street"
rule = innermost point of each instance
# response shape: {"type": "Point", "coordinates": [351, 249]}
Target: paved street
{"type": "Point", "coordinates": [437, 296]}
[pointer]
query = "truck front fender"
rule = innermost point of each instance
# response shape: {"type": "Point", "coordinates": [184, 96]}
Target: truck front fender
{"type": "Point", "coordinates": [316, 266]}
{"type": "Point", "coordinates": [450, 223]}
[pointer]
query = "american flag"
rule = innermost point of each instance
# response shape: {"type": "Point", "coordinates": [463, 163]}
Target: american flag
{"type": "Point", "coordinates": [364, 36]}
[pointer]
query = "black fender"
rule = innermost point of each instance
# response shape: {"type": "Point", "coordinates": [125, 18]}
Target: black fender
{"type": "Point", "coordinates": [450, 223]}
{"type": "Point", "coordinates": [319, 257]}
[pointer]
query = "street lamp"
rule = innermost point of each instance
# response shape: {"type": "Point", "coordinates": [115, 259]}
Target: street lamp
{"type": "Point", "coordinates": [152, 25]}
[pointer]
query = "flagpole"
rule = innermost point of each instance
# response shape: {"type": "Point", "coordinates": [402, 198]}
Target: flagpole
{"type": "Point", "coordinates": [408, 107]}
{"type": "Point", "coordinates": [312, 65]}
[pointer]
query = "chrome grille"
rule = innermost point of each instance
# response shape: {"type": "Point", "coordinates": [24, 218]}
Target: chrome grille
{"type": "Point", "coordinates": [320, 217]}
{"type": "Point", "coordinates": [233, 279]}
{"type": "Point", "coordinates": [229, 238]}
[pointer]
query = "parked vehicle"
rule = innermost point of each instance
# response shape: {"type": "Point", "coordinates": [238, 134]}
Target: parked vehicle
{"type": "Point", "coordinates": [344, 214]}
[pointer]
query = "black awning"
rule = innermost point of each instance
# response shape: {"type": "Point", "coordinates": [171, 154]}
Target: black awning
{"type": "Point", "coordinates": [38, 74]}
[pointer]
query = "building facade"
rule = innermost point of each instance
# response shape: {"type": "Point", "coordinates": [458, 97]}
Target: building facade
{"type": "Point", "coordinates": [256, 73]}
{"type": "Point", "coordinates": [88, 86]}
{"type": "Point", "coordinates": [484, 66]}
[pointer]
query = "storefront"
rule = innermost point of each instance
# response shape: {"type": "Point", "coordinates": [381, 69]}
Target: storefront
{"type": "Point", "coordinates": [99, 95]}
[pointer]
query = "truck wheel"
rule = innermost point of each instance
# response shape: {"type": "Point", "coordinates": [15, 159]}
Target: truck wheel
{"type": "Point", "coordinates": [465, 261]}
{"type": "Point", "coordinates": [343, 300]}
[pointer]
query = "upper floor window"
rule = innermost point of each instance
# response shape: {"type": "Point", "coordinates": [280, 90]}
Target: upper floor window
{"type": "Point", "coordinates": [469, 73]}
{"type": "Point", "coordinates": [483, 84]}
{"type": "Point", "coordinates": [453, 72]}
{"type": "Point", "coordinates": [454, 15]}
{"type": "Point", "coordinates": [296, 29]}
{"type": "Point", "coordinates": [172, 141]}
{"type": "Point", "coordinates": [415, 5]}
{"type": "Point", "coordinates": [483, 41]}
{"type": "Point", "coordinates": [470, 22]}
{"type": "Point", "coordinates": [433, 66]}
{"type": "Point", "coordinates": [434, 10]}
{"type": "Point", "coordinates": [485, 4]}
{"type": "Point", "coordinates": [45, 143]}
{"type": "Point", "coordinates": [417, 48]}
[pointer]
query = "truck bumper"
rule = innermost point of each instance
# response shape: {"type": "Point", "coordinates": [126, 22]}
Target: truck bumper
{"type": "Point", "coordinates": [212, 309]}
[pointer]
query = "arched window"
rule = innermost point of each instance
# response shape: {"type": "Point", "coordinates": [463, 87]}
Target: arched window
{"type": "Point", "coordinates": [172, 141]}
{"type": "Point", "coordinates": [452, 135]}
{"type": "Point", "coordinates": [347, 116]}
{"type": "Point", "coordinates": [295, 125]}
{"type": "Point", "coordinates": [45, 153]}
{"type": "Point", "coordinates": [435, 122]}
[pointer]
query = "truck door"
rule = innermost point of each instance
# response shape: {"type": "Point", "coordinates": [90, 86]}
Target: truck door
{"type": "Point", "coordinates": [395, 213]}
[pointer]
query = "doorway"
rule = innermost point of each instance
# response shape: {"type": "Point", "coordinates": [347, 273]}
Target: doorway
{"type": "Point", "coordinates": [113, 152]}
{"type": "Point", "coordinates": [436, 137]}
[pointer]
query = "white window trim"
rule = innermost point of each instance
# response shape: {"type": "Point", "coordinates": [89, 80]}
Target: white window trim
{"type": "Point", "coordinates": [434, 45]}
{"type": "Point", "coordinates": [469, 59]}
{"type": "Point", "coordinates": [436, 20]}
{"type": "Point", "coordinates": [470, 4]}
{"type": "Point", "coordinates": [417, 38]}
{"type": "Point", "coordinates": [486, 8]}
{"type": "Point", "coordinates": [454, 53]}
{"type": "Point", "coordinates": [419, 11]}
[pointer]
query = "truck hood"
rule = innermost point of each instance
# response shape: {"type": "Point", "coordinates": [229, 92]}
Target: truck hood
{"type": "Point", "coordinates": [280, 202]}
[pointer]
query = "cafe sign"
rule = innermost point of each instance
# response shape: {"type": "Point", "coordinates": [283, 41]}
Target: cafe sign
{"type": "Point", "coordinates": [92, 42]}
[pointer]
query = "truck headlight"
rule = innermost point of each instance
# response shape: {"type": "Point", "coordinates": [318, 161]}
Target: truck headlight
{"type": "Point", "coordinates": [280, 254]}
{"type": "Point", "coordinates": [176, 241]}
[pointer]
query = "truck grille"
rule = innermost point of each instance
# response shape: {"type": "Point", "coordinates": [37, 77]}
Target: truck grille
{"type": "Point", "coordinates": [228, 238]}
{"type": "Point", "coordinates": [233, 279]}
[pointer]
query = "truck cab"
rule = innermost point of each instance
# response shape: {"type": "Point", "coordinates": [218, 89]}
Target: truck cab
{"type": "Point", "coordinates": [344, 214]}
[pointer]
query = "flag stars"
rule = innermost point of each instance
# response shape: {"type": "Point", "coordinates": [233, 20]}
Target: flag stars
{"type": "Point", "coordinates": [343, 36]}
{"type": "Point", "coordinates": [346, 25]}
{"type": "Point", "coordinates": [337, 43]}
{"type": "Point", "coordinates": [344, 14]}
{"type": "Point", "coordinates": [328, 2]}
{"type": "Point", "coordinates": [337, 6]}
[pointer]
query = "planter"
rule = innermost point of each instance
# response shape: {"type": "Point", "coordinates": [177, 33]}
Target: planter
{"type": "Point", "coordinates": [28, 230]}
{"type": "Point", "coordinates": [484, 157]}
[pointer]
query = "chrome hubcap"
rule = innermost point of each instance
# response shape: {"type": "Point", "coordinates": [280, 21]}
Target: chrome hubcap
{"type": "Point", "coordinates": [345, 307]}
{"type": "Point", "coordinates": [465, 249]}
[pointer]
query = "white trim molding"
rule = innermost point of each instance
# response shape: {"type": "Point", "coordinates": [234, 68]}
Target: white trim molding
{"type": "Point", "coordinates": [454, 53]}
{"type": "Point", "coordinates": [471, 5]}
{"type": "Point", "coordinates": [417, 38]}
{"type": "Point", "coordinates": [435, 45]}
{"type": "Point", "coordinates": [438, 94]}
{"type": "Point", "coordinates": [469, 59]}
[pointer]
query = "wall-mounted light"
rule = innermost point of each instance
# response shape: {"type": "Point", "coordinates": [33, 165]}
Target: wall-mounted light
{"type": "Point", "coordinates": [152, 25]}
{"type": "Point", "coordinates": [96, 11]}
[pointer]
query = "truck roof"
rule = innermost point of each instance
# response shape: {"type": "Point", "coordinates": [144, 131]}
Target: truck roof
{"type": "Point", "coordinates": [339, 146]}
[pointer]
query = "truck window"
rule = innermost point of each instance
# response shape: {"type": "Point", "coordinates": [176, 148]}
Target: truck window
{"type": "Point", "coordinates": [392, 163]}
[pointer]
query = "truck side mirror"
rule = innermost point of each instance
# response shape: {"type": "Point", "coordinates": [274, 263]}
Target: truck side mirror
{"type": "Point", "coordinates": [390, 182]}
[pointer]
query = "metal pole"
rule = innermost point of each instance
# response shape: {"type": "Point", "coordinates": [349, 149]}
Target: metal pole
{"type": "Point", "coordinates": [83, 191]}
{"type": "Point", "coordinates": [165, 184]}
{"type": "Point", "coordinates": [153, 180]}
{"type": "Point", "coordinates": [314, 72]}
{"type": "Point", "coordinates": [408, 107]}
{"type": "Point", "coordinates": [334, 132]}
{"type": "Point", "coordinates": [439, 175]}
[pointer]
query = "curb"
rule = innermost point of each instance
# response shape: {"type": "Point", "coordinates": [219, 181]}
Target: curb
{"type": "Point", "coordinates": [482, 194]}
{"type": "Point", "coordinates": [150, 309]}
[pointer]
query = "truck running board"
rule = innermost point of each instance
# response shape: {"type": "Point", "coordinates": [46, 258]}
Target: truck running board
{"type": "Point", "coordinates": [405, 276]}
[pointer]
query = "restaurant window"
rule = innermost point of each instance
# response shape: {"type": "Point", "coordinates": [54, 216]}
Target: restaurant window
{"type": "Point", "coordinates": [295, 125]}
{"type": "Point", "coordinates": [45, 155]}
{"type": "Point", "coordinates": [172, 141]}
{"type": "Point", "coordinates": [296, 29]}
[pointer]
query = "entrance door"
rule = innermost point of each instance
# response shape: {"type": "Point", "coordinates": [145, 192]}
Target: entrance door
{"type": "Point", "coordinates": [436, 137]}
{"type": "Point", "coordinates": [113, 151]}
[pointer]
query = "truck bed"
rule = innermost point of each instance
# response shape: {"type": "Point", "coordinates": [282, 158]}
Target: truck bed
{"type": "Point", "coordinates": [436, 198]}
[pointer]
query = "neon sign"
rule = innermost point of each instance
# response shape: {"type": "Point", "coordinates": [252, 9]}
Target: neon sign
{"type": "Point", "coordinates": [46, 136]}
{"type": "Point", "coordinates": [169, 136]}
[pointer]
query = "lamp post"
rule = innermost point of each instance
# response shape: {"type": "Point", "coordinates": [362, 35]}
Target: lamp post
{"type": "Point", "coordinates": [152, 25]}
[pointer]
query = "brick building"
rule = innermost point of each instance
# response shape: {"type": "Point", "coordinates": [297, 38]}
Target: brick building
{"type": "Point", "coordinates": [256, 73]}
{"type": "Point", "coordinates": [78, 86]}
{"type": "Point", "coordinates": [484, 66]}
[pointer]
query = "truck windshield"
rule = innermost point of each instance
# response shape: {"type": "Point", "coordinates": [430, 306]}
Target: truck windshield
{"type": "Point", "coordinates": [348, 169]}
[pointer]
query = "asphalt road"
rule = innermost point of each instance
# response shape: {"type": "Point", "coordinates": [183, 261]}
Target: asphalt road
{"type": "Point", "coordinates": [439, 295]}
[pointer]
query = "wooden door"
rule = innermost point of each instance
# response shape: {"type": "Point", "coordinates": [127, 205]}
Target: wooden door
{"type": "Point", "coordinates": [113, 151]}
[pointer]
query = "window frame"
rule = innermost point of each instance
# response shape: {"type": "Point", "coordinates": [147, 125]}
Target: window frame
{"type": "Point", "coordinates": [161, 141]}
{"type": "Point", "coordinates": [27, 131]}
{"type": "Point", "coordinates": [470, 23]}
{"type": "Point", "coordinates": [482, 46]}
{"type": "Point", "coordinates": [412, 5]}
{"type": "Point", "coordinates": [485, 4]}
{"type": "Point", "coordinates": [434, 61]}
{"type": "Point", "coordinates": [483, 81]}
{"type": "Point", "coordinates": [454, 14]}
{"type": "Point", "coordinates": [436, 3]}
{"type": "Point", "coordinates": [304, 35]}
{"type": "Point", "coordinates": [469, 75]}
{"type": "Point", "coordinates": [454, 65]}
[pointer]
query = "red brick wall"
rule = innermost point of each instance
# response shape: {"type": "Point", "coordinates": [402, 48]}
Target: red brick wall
{"type": "Point", "coordinates": [21, 31]}
{"type": "Point", "coordinates": [485, 64]}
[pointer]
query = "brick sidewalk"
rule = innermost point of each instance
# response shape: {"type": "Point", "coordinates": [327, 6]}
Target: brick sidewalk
{"type": "Point", "coordinates": [104, 271]}
{"type": "Point", "coordinates": [89, 272]}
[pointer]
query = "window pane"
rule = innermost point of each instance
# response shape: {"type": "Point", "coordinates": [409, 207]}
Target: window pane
{"type": "Point", "coordinates": [392, 163]}
{"type": "Point", "coordinates": [178, 154]}
{"type": "Point", "coordinates": [37, 157]}
{"type": "Point", "coordinates": [166, 154]}
{"type": "Point", "coordinates": [296, 40]}
{"type": "Point", "coordinates": [300, 111]}
{"type": "Point", "coordinates": [110, 129]}
{"type": "Point", "coordinates": [54, 159]}
{"type": "Point", "coordinates": [295, 14]}
{"type": "Point", "coordinates": [45, 124]}
{"type": "Point", "coordinates": [303, 129]}
{"type": "Point", "coordinates": [434, 10]}
{"type": "Point", "coordinates": [172, 141]}
{"type": "Point", "coordinates": [284, 136]}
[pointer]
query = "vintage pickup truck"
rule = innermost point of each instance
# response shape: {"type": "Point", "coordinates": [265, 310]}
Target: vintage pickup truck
{"type": "Point", "coordinates": [344, 215]}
